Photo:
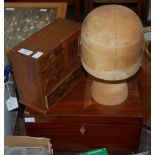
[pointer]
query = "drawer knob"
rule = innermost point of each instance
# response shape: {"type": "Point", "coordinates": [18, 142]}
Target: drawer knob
{"type": "Point", "coordinates": [82, 130]}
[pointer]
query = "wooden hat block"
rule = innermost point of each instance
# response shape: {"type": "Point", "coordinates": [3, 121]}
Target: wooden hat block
{"type": "Point", "coordinates": [111, 50]}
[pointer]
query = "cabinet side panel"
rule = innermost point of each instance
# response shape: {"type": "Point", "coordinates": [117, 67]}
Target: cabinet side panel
{"type": "Point", "coordinates": [27, 80]}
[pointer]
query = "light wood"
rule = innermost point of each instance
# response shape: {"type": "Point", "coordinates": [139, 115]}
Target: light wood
{"type": "Point", "coordinates": [111, 49]}
{"type": "Point", "coordinates": [61, 7]}
{"type": "Point", "coordinates": [147, 29]}
{"type": "Point", "coordinates": [111, 42]}
{"type": "Point", "coordinates": [26, 141]}
{"type": "Point", "coordinates": [109, 94]}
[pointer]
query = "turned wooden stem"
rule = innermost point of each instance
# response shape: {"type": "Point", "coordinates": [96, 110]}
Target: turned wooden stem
{"type": "Point", "coordinates": [109, 94]}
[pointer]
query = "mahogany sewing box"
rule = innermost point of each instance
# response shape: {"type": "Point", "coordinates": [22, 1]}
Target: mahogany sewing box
{"type": "Point", "coordinates": [77, 123]}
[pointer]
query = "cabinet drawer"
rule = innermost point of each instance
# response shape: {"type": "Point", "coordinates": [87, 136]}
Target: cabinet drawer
{"type": "Point", "coordinates": [87, 126]}
{"type": "Point", "coordinates": [51, 57]}
{"type": "Point", "coordinates": [71, 47]}
{"type": "Point", "coordinates": [85, 130]}
{"type": "Point", "coordinates": [52, 67]}
{"type": "Point", "coordinates": [54, 95]}
{"type": "Point", "coordinates": [66, 52]}
{"type": "Point", "coordinates": [57, 64]}
{"type": "Point", "coordinates": [53, 78]}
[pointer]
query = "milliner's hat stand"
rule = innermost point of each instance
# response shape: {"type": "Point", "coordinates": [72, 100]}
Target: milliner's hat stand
{"type": "Point", "coordinates": [111, 49]}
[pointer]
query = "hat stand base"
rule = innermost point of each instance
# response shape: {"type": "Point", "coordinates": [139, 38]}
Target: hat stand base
{"type": "Point", "coordinates": [109, 94]}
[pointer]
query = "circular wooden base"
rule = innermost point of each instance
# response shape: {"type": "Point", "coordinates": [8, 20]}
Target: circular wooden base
{"type": "Point", "coordinates": [109, 94]}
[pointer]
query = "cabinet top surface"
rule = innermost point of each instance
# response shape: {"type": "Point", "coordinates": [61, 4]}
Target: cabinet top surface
{"type": "Point", "coordinates": [50, 36]}
{"type": "Point", "coordinates": [78, 102]}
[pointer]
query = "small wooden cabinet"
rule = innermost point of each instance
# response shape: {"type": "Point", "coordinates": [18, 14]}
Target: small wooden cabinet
{"type": "Point", "coordinates": [77, 123]}
{"type": "Point", "coordinates": [45, 64]}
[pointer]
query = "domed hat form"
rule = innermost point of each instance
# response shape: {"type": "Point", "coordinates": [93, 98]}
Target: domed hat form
{"type": "Point", "coordinates": [111, 49]}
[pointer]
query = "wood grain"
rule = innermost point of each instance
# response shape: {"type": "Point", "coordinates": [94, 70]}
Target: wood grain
{"type": "Point", "coordinates": [117, 128]}
{"type": "Point", "coordinates": [37, 79]}
{"type": "Point", "coordinates": [108, 51]}
{"type": "Point", "coordinates": [61, 7]}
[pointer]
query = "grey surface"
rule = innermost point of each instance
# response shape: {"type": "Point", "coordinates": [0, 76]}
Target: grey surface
{"type": "Point", "coordinates": [25, 151]}
{"type": "Point", "coordinates": [145, 140]}
{"type": "Point", "coordinates": [9, 117]}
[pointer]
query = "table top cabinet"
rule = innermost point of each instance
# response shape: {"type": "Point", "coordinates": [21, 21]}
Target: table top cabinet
{"type": "Point", "coordinates": [43, 62]}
